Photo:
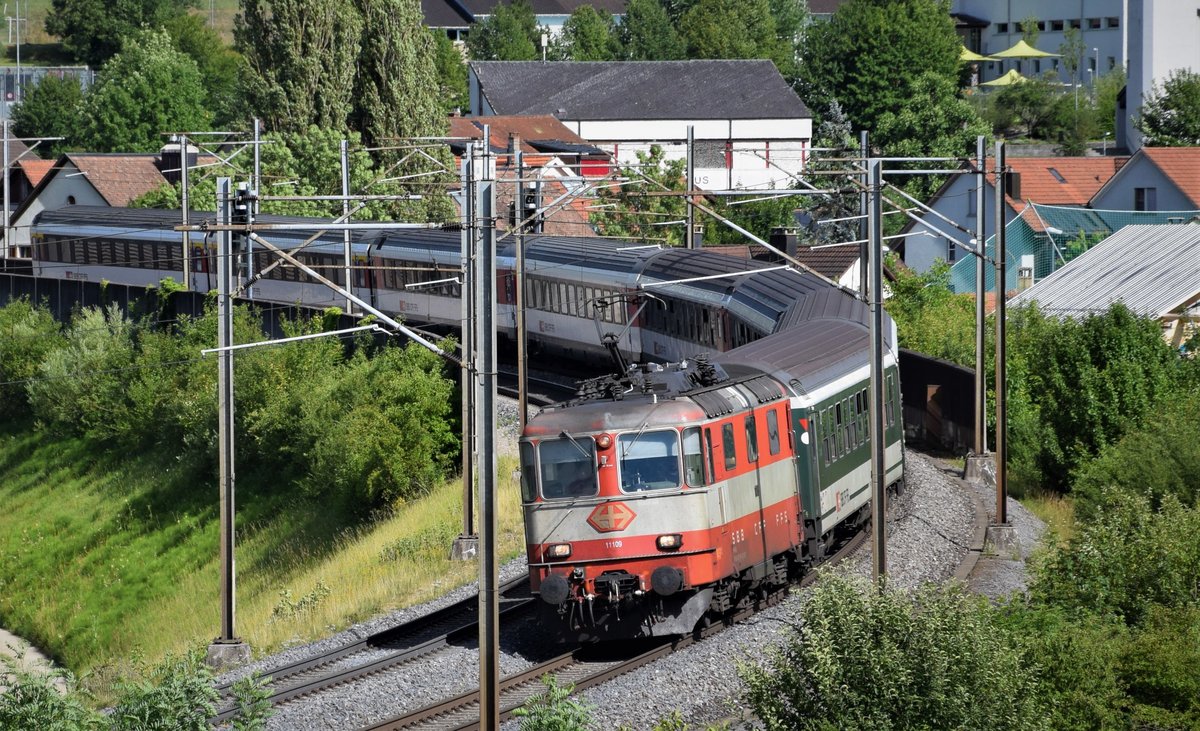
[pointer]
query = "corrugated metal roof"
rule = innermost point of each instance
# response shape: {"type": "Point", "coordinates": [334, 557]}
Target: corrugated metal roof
{"type": "Point", "coordinates": [1154, 270]}
{"type": "Point", "coordinates": [614, 90]}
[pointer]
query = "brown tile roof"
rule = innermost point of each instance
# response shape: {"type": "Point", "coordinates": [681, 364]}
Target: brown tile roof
{"type": "Point", "coordinates": [119, 178]}
{"type": "Point", "coordinates": [1181, 165]}
{"type": "Point", "coordinates": [35, 169]}
{"type": "Point", "coordinates": [1063, 181]}
{"type": "Point", "coordinates": [831, 262]}
{"type": "Point", "coordinates": [529, 127]}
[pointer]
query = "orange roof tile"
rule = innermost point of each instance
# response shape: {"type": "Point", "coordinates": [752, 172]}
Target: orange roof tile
{"type": "Point", "coordinates": [119, 178]}
{"type": "Point", "coordinates": [1063, 181]}
{"type": "Point", "coordinates": [35, 169]}
{"type": "Point", "coordinates": [1181, 165]}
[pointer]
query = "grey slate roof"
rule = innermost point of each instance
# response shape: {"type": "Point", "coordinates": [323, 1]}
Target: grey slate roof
{"type": "Point", "coordinates": [1154, 270]}
{"type": "Point", "coordinates": [614, 90]}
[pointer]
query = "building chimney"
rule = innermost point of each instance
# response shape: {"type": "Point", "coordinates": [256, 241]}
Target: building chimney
{"type": "Point", "coordinates": [170, 164]}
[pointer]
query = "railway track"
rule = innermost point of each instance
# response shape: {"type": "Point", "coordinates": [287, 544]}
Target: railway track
{"type": "Point", "coordinates": [584, 667]}
{"type": "Point", "coordinates": [381, 651]}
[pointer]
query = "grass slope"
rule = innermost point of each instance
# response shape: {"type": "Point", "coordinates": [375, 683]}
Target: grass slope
{"type": "Point", "coordinates": [112, 556]}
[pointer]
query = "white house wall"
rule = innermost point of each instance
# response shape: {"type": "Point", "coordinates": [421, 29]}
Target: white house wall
{"type": "Point", "coordinates": [1164, 35]}
{"type": "Point", "coordinates": [1139, 172]}
{"type": "Point", "coordinates": [922, 251]}
{"type": "Point", "coordinates": [66, 186]}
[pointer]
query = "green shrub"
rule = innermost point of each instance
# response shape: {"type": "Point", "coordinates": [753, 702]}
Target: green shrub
{"type": "Point", "coordinates": [887, 659]}
{"type": "Point", "coordinates": [1125, 559]}
{"type": "Point", "coordinates": [31, 701]}
{"type": "Point", "coordinates": [28, 334]}
{"type": "Point", "coordinates": [1160, 667]}
{"type": "Point", "coordinates": [554, 710]}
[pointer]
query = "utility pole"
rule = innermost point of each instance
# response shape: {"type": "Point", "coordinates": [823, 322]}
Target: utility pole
{"type": "Point", "coordinates": [1001, 384]}
{"type": "Point", "coordinates": [876, 407]}
{"type": "Point", "coordinates": [485, 359]}
{"type": "Point", "coordinates": [349, 262]}
{"type": "Point", "coordinates": [864, 205]}
{"type": "Point", "coordinates": [978, 459]}
{"type": "Point", "coordinates": [256, 184]}
{"type": "Point", "coordinates": [183, 210]}
{"type": "Point", "coordinates": [466, 546]}
{"type": "Point", "coordinates": [7, 193]}
{"type": "Point", "coordinates": [519, 289]}
{"type": "Point", "coordinates": [228, 649]}
{"type": "Point", "coordinates": [691, 184]}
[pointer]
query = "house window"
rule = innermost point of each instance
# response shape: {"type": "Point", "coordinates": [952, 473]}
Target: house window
{"type": "Point", "coordinates": [1145, 199]}
{"type": "Point", "coordinates": [972, 209]}
{"type": "Point", "coordinates": [1112, 63]}
{"type": "Point", "coordinates": [951, 252]}
{"type": "Point", "coordinates": [1037, 66]}
{"type": "Point", "coordinates": [1001, 27]}
{"type": "Point", "coordinates": [1112, 22]}
{"type": "Point", "coordinates": [1056, 25]}
{"type": "Point", "coordinates": [1076, 23]}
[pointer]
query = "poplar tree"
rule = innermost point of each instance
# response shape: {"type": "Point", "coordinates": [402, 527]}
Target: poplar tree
{"type": "Point", "coordinates": [301, 58]}
{"type": "Point", "coordinates": [396, 97]}
{"type": "Point", "coordinates": [510, 33]}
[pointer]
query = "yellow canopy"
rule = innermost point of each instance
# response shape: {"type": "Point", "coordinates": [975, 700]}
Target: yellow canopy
{"type": "Point", "coordinates": [1023, 50]}
{"type": "Point", "coordinates": [966, 55]}
{"type": "Point", "coordinates": [1012, 77]}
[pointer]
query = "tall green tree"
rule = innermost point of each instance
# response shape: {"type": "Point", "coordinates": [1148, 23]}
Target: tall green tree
{"type": "Point", "coordinates": [301, 56]}
{"type": "Point", "coordinates": [588, 35]}
{"type": "Point", "coordinates": [1170, 114]}
{"type": "Point", "coordinates": [396, 98]}
{"type": "Point", "coordinates": [647, 34]}
{"type": "Point", "coordinates": [51, 108]}
{"type": "Point", "coordinates": [220, 66]}
{"type": "Point", "coordinates": [146, 89]}
{"type": "Point", "coordinates": [510, 33]}
{"type": "Point", "coordinates": [93, 30]}
{"type": "Point", "coordinates": [871, 53]}
{"type": "Point", "coordinates": [451, 73]}
{"type": "Point", "coordinates": [729, 29]}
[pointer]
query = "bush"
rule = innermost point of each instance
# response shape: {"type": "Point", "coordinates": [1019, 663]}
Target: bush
{"type": "Point", "coordinates": [1125, 559]}
{"type": "Point", "coordinates": [28, 334]}
{"type": "Point", "coordinates": [867, 659]}
{"type": "Point", "coordinates": [554, 710]}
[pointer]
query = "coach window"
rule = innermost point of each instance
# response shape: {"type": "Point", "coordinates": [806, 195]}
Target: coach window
{"type": "Point", "coordinates": [729, 448]}
{"type": "Point", "coordinates": [649, 460]}
{"type": "Point", "coordinates": [773, 431]}
{"type": "Point", "coordinates": [890, 400]}
{"type": "Point", "coordinates": [693, 458]}
{"type": "Point", "coordinates": [528, 473]}
{"type": "Point", "coordinates": [852, 423]}
{"type": "Point", "coordinates": [751, 439]}
{"type": "Point", "coordinates": [568, 468]}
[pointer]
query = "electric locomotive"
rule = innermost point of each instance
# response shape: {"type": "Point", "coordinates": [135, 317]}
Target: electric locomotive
{"type": "Point", "coordinates": [674, 493]}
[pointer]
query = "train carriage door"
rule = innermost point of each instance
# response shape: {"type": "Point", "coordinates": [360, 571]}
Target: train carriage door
{"type": "Point", "coordinates": [757, 539]}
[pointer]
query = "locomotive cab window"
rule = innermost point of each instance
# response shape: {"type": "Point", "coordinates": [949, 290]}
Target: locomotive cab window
{"type": "Point", "coordinates": [751, 440]}
{"type": "Point", "coordinates": [773, 432]}
{"type": "Point", "coordinates": [649, 460]}
{"type": "Point", "coordinates": [693, 458]}
{"type": "Point", "coordinates": [568, 468]}
{"type": "Point", "coordinates": [528, 473]}
{"type": "Point", "coordinates": [728, 447]}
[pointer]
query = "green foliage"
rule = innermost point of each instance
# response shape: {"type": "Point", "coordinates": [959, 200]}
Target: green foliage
{"type": "Point", "coordinates": [1160, 458]}
{"type": "Point", "coordinates": [588, 35]}
{"type": "Point", "coordinates": [729, 29]}
{"type": "Point", "coordinates": [94, 30]}
{"type": "Point", "coordinates": [647, 33]}
{"type": "Point", "coordinates": [1106, 90]}
{"type": "Point", "coordinates": [1170, 115]}
{"type": "Point", "coordinates": [1160, 668]}
{"type": "Point", "coordinates": [301, 56]}
{"type": "Point", "coordinates": [146, 89]}
{"type": "Point", "coordinates": [252, 694]}
{"type": "Point", "coordinates": [932, 122]}
{"type": "Point", "coordinates": [52, 107]}
{"type": "Point", "coordinates": [929, 317]}
{"type": "Point", "coordinates": [289, 608]}
{"type": "Point", "coordinates": [1124, 559]}
{"type": "Point", "coordinates": [28, 333]}
{"type": "Point", "coordinates": [1071, 50]}
{"type": "Point", "coordinates": [219, 65]}
{"type": "Point", "coordinates": [451, 73]}
{"type": "Point", "coordinates": [870, 55]}
{"type": "Point", "coordinates": [395, 98]}
{"type": "Point", "coordinates": [1088, 380]}
{"type": "Point", "coordinates": [1028, 108]}
{"type": "Point", "coordinates": [175, 695]}
{"type": "Point", "coordinates": [510, 33]}
{"type": "Point", "coordinates": [867, 658]}
{"type": "Point", "coordinates": [1029, 30]}
{"type": "Point", "coordinates": [31, 701]}
{"type": "Point", "coordinates": [625, 212]}
{"type": "Point", "coordinates": [554, 710]}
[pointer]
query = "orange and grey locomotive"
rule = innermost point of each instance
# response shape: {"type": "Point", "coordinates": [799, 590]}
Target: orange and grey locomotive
{"type": "Point", "coordinates": [674, 493]}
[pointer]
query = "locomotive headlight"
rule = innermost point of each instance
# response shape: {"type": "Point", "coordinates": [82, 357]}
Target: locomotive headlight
{"type": "Point", "coordinates": [558, 550]}
{"type": "Point", "coordinates": [604, 441]}
{"type": "Point", "coordinates": [670, 542]}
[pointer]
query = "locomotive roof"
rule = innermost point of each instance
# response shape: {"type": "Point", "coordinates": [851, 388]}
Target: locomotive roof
{"type": "Point", "coordinates": [808, 355]}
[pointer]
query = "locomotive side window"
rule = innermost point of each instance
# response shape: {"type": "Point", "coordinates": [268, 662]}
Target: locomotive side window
{"type": "Point", "coordinates": [568, 468]}
{"type": "Point", "coordinates": [751, 439]}
{"type": "Point", "coordinates": [649, 460]}
{"type": "Point", "coordinates": [693, 458]}
{"type": "Point", "coordinates": [528, 473]}
{"type": "Point", "coordinates": [708, 450]}
{"type": "Point", "coordinates": [773, 432]}
{"type": "Point", "coordinates": [728, 446]}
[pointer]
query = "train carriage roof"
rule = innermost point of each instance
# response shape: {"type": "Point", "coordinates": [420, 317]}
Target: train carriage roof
{"type": "Point", "coordinates": [588, 252]}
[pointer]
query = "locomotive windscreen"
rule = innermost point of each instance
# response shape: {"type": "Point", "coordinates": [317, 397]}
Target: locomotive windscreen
{"type": "Point", "coordinates": [568, 467]}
